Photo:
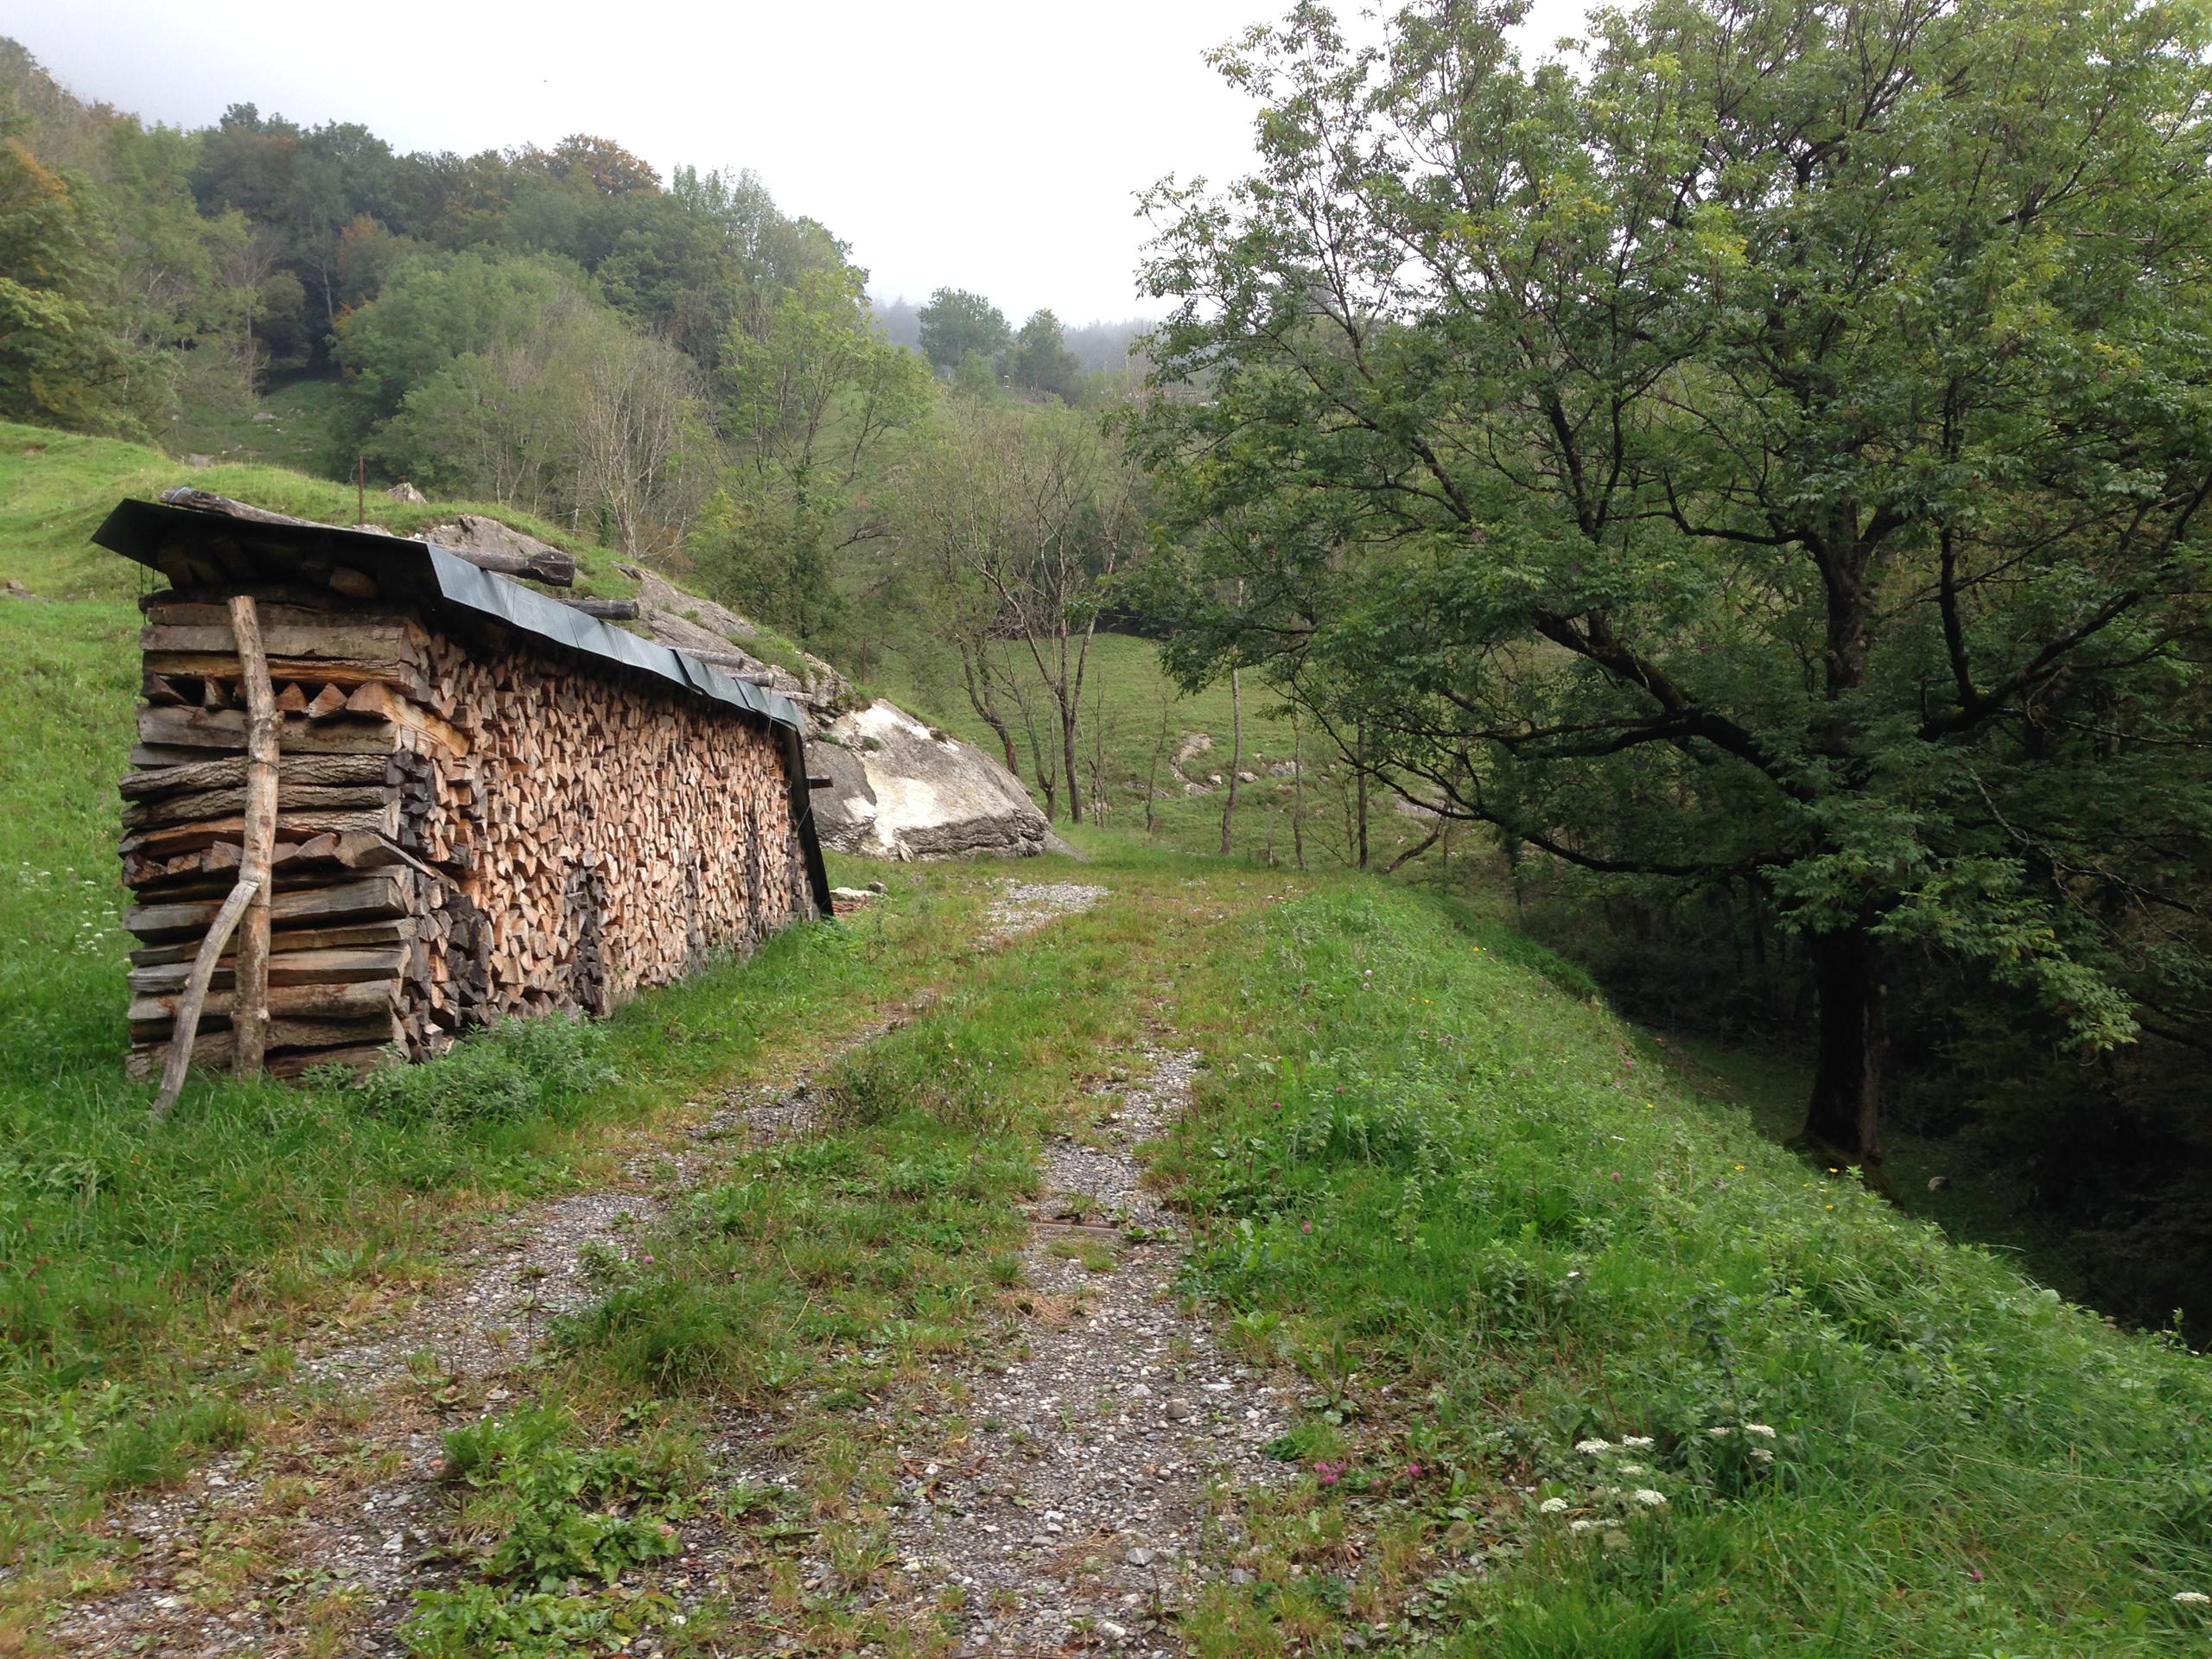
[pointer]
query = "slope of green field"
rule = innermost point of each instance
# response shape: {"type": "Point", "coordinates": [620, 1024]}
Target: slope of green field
{"type": "Point", "coordinates": [1583, 1365]}
{"type": "Point", "coordinates": [1135, 720]}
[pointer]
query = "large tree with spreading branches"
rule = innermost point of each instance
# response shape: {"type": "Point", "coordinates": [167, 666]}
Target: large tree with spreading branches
{"type": "Point", "coordinates": [1768, 445]}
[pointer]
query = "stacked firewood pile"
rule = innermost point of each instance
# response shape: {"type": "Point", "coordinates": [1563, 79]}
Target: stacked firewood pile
{"type": "Point", "coordinates": [467, 823]}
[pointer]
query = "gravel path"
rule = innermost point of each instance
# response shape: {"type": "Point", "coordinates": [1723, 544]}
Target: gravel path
{"type": "Point", "coordinates": [1025, 906]}
{"type": "Point", "coordinates": [374, 1405]}
{"type": "Point", "coordinates": [1089, 1500]}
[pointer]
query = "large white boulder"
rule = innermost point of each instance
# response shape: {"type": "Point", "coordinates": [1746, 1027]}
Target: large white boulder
{"type": "Point", "coordinates": [898, 790]}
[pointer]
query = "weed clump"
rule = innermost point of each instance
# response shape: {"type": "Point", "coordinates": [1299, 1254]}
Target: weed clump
{"type": "Point", "coordinates": [518, 1068]}
{"type": "Point", "coordinates": [544, 1520]}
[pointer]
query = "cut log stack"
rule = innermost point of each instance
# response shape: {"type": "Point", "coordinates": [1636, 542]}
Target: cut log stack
{"type": "Point", "coordinates": [468, 824]}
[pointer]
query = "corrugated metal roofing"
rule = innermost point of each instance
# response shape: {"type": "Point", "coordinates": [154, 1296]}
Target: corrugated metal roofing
{"type": "Point", "coordinates": [145, 530]}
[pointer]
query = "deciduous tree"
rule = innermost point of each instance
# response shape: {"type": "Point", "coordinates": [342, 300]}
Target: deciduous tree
{"type": "Point", "coordinates": [1774, 452]}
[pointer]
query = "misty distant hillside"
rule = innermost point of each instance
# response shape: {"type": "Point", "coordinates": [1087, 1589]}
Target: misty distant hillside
{"type": "Point", "coordinates": [1097, 345]}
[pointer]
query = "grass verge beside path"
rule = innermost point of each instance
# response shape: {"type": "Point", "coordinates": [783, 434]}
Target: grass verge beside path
{"type": "Point", "coordinates": [152, 1278]}
{"type": "Point", "coordinates": [1596, 1371]}
{"type": "Point", "coordinates": [821, 1302]}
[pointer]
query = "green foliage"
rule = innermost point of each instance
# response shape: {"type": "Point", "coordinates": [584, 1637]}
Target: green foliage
{"type": "Point", "coordinates": [1042, 362]}
{"type": "Point", "coordinates": [157, 1449]}
{"type": "Point", "coordinates": [811, 394]}
{"type": "Point", "coordinates": [550, 1516]}
{"type": "Point", "coordinates": [521, 1068]}
{"type": "Point", "coordinates": [1617, 495]}
{"type": "Point", "coordinates": [511, 379]}
{"type": "Point", "coordinates": [1486, 1232]}
{"type": "Point", "coordinates": [555, 1512]}
{"type": "Point", "coordinates": [956, 323]}
{"type": "Point", "coordinates": [439, 308]}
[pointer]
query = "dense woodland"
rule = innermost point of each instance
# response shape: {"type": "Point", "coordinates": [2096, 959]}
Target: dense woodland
{"type": "Point", "coordinates": [1750, 479]}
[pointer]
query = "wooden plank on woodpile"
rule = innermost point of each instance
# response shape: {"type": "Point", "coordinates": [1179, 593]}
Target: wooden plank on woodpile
{"type": "Point", "coordinates": [225, 728]}
{"type": "Point", "coordinates": [300, 633]}
{"type": "Point", "coordinates": [286, 969]}
{"type": "Point", "coordinates": [166, 841]}
{"type": "Point", "coordinates": [318, 771]}
{"type": "Point", "coordinates": [310, 1001]}
{"type": "Point", "coordinates": [608, 610]}
{"type": "Point", "coordinates": [359, 900]}
{"type": "Point", "coordinates": [399, 931]}
{"type": "Point", "coordinates": [229, 802]}
{"type": "Point", "coordinates": [304, 671]}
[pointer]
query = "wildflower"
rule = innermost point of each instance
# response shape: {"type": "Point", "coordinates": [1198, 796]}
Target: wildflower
{"type": "Point", "coordinates": [647, 1259]}
{"type": "Point", "coordinates": [1558, 1506]}
{"type": "Point", "coordinates": [1580, 1526]}
{"type": "Point", "coordinates": [1616, 1175]}
{"type": "Point", "coordinates": [1632, 1468]}
{"type": "Point", "coordinates": [1413, 1472]}
{"type": "Point", "coordinates": [1305, 1226]}
{"type": "Point", "coordinates": [1719, 1434]}
{"type": "Point", "coordinates": [1635, 1442]}
{"type": "Point", "coordinates": [1650, 1499]}
{"type": "Point", "coordinates": [1760, 1429]}
{"type": "Point", "coordinates": [1593, 1448]}
{"type": "Point", "coordinates": [1760, 1454]}
{"type": "Point", "coordinates": [2193, 1599]}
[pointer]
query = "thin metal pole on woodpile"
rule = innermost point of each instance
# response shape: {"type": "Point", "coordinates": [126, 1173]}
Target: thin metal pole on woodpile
{"type": "Point", "coordinates": [248, 899]}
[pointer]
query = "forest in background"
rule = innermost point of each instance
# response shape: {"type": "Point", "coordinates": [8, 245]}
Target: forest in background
{"type": "Point", "coordinates": [680, 370]}
{"type": "Point", "coordinates": [677, 369]}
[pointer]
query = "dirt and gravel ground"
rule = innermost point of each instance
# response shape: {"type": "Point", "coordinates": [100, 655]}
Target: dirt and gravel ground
{"type": "Point", "coordinates": [1081, 1500]}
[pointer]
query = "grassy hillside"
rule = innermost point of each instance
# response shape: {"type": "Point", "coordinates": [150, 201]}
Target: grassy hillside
{"type": "Point", "coordinates": [1478, 1225]}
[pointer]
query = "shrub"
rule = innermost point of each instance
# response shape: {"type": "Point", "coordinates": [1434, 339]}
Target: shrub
{"type": "Point", "coordinates": [517, 1069]}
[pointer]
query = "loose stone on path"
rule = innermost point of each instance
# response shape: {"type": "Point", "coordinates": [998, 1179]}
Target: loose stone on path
{"type": "Point", "coordinates": [1079, 1507]}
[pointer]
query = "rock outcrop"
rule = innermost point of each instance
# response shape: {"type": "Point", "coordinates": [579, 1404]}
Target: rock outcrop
{"type": "Point", "coordinates": [898, 790]}
{"type": "Point", "coordinates": [716, 634]}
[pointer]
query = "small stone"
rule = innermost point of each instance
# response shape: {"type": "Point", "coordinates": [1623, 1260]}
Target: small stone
{"type": "Point", "coordinates": [1138, 1556]}
{"type": "Point", "coordinates": [1179, 1411]}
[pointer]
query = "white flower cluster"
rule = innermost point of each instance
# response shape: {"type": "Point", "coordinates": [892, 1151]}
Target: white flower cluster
{"type": "Point", "coordinates": [2192, 1598]}
{"type": "Point", "coordinates": [1613, 1504]}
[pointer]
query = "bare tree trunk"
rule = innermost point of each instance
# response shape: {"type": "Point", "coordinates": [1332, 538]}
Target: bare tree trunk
{"type": "Point", "coordinates": [986, 707]}
{"type": "Point", "coordinates": [1296, 788]}
{"type": "Point", "coordinates": [1152, 776]}
{"type": "Point", "coordinates": [1068, 716]}
{"type": "Point", "coordinates": [1236, 756]}
{"type": "Point", "coordinates": [1359, 781]}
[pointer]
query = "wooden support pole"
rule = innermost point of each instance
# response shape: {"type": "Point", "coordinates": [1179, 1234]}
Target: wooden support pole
{"type": "Point", "coordinates": [195, 994]}
{"type": "Point", "coordinates": [249, 1021]}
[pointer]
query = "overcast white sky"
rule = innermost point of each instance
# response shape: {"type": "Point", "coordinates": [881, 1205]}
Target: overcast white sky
{"type": "Point", "coordinates": [970, 144]}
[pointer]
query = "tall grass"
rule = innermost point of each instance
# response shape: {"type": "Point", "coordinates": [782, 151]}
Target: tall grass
{"type": "Point", "coordinates": [1489, 1235]}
